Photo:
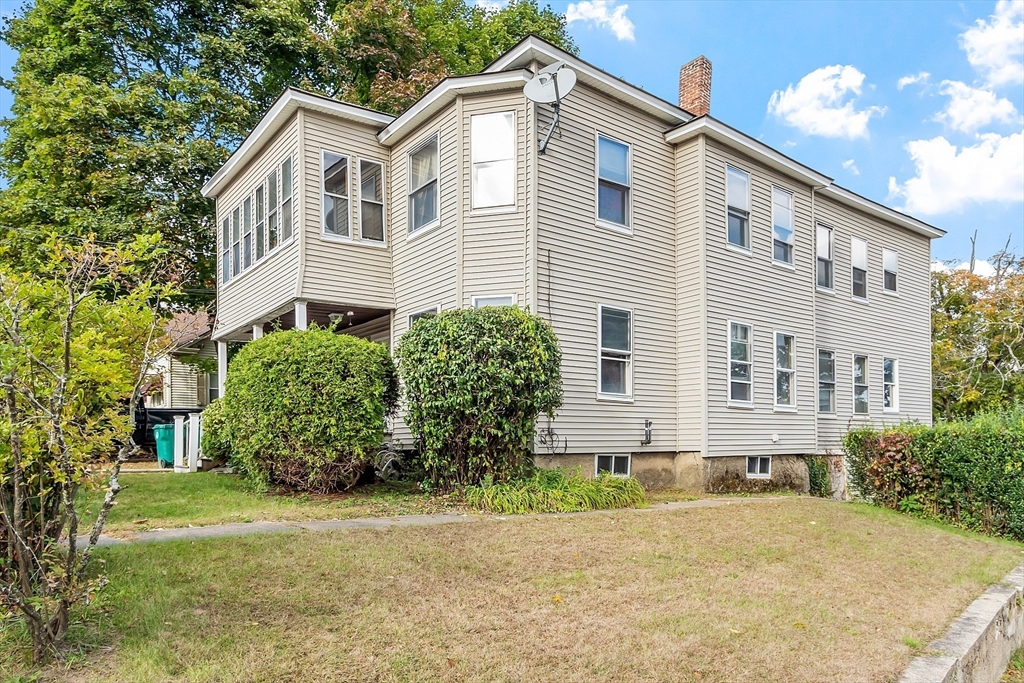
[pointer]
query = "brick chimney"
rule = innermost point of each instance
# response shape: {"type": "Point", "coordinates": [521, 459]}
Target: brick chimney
{"type": "Point", "coordinates": [695, 86]}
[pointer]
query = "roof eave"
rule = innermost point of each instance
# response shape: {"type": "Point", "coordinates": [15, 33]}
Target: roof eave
{"type": "Point", "coordinates": [864, 204]}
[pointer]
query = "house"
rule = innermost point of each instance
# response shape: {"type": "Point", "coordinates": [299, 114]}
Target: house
{"type": "Point", "coordinates": [183, 376]}
{"type": "Point", "coordinates": [723, 310]}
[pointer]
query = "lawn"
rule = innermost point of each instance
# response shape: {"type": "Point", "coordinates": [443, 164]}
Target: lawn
{"type": "Point", "coordinates": [794, 590]}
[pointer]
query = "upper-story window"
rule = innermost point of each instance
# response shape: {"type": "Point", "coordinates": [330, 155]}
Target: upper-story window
{"type": "Point", "coordinates": [737, 198]}
{"type": "Point", "coordinates": [371, 200]}
{"type": "Point", "coordinates": [823, 247]}
{"type": "Point", "coordinates": [273, 228]}
{"type": "Point", "coordinates": [782, 226]}
{"type": "Point", "coordinates": [613, 181]}
{"type": "Point", "coordinates": [859, 262]}
{"type": "Point", "coordinates": [258, 224]}
{"type": "Point", "coordinates": [286, 200]}
{"type": "Point", "coordinates": [890, 266]}
{"type": "Point", "coordinates": [493, 148]}
{"type": "Point", "coordinates": [335, 201]}
{"type": "Point", "coordinates": [615, 338]}
{"type": "Point", "coordinates": [423, 190]}
{"type": "Point", "coordinates": [247, 232]}
{"type": "Point", "coordinates": [225, 244]}
{"type": "Point", "coordinates": [236, 242]}
{"type": "Point", "coordinates": [741, 364]}
{"type": "Point", "coordinates": [785, 370]}
{"type": "Point", "coordinates": [261, 230]}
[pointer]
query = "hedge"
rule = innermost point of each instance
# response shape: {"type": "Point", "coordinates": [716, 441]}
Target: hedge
{"type": "Point", "coordinates": [216, 438]}
{"type": "Point", "coordinates": [967, 473]}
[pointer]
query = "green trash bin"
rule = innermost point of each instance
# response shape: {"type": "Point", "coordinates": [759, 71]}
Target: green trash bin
{"type": "Point", "coordinates": [164, 435]}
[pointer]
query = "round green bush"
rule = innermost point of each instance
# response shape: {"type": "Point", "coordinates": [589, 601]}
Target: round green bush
{"type": "Point", "coordinates": [216, 439]}
{"type": "Point", "coordinates": [475, 382]}
{"type": "Point", "coordinates": [306, 408]}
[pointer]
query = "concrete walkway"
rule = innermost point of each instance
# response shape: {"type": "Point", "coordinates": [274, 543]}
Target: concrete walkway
{"type": "Point", "coordinates": [245, 528]}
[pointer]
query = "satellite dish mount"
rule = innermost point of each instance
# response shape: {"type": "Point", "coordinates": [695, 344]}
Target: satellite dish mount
{"type": "Point", "coordinates": [550, 86]}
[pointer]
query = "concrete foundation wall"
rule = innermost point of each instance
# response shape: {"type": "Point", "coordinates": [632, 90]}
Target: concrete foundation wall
{"type": "Point", "coordinates": [729, 475]}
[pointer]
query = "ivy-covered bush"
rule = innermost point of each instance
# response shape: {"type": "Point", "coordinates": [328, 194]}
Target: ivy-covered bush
{"type": "Point", "coordinates": [818, 476]}
{"type": "Point", "coordinates": [216, 438]}
{"type": "Point", "coordinates": [968, 473]}
{"type": "Point", "coordinates": [306, 409]}
{"type": "Point", "coordinates": [475, 382]}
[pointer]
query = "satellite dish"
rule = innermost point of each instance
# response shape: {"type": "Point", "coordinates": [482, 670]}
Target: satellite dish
{"type": "Point", "coordinates": [550, 86]}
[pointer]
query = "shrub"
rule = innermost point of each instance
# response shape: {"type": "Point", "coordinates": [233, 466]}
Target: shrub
{"type": "Point", "coordinates": [818, 474]}
{"type": "Point", "coordinates": [556, 491]}
{"type": "Point", "coordinates": [306, 408]}
{"type": "Point", "coordinates": [216, 439]}
{"type": "Point", "coordinates": [475, 382]}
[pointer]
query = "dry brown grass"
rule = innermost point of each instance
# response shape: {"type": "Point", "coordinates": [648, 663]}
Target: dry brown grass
{"type": "Point", "coordinates": [795, 590]}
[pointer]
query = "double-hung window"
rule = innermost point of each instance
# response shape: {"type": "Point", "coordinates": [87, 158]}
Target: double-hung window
{"type": "Point", "coordinates": [823, 247]}
{"type": "Point", "coordinates": [785, 370]}
{"type": "Point", "coordinates": [613, 181]}
{"type": "Point", "coordinates": [236, 242]}
{"type": "Point", "coordinates": [335, 200]}
{"type": "Point", "coordinates": [261, 230]}
{"type": "Point", "coordinates": [273, 234]}
{"type": "Point", "coordinates": [615, 334]}
{"type": "Point", "coordinates": [860, 385]}
{"type": "Point", "coordinates": [890, 385]}
{"type": "Point", "coordinates": [782, 226]}
{"type": "Point", "coordinates": [737, 199]}
{"type": "Point", "coordinates": [741, 364]}
{"type": "Point", "coordinates": [286, 199]}
{"type": "Point", "coordinates": [890, 266]}
{"type": "Point", "coordinates": [247, 232]}
{"type": "Point", "coordinates": [826, 381]}
{"type": "Point", "coordinates": [225, 247]}
{"type": "Point", "coordinates": [859, 261]}
{"type": "Point", "coordinates": [371, 201]}
{"type": "Point", "coordinates": [423, 189]}
{"type": "Point", "coordinates": [493, 148]}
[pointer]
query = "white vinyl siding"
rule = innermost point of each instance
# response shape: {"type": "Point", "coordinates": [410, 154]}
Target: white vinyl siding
{"type": "Point", "coordinates": [824, 270]}
{"type": "Point", "coordinates": [737, 198]}
{"type": "Point", "coordinates": [859, 268]}
{"type": "Point", "coordinates": [782, 226]}
{"type": "Point", "coordinates": [615, 361]}
{"type": "Point", "coordinates": [424, 198]}
{"type": "Point", "coordinates": [613, 182]}
{"type": "Point", "coordinates": [826, 381]}
{"type": "Point", "coordinates": [785, 371]}
{"type": "Point", "coordinates": [741, 364]}
{"type": "Point", "coordinates": [335, 180]}
{"type": "Point", "coordinates": [493, 150]}
{"type": "Point", "coordinates": [891, 385]}
{"type": "Point", "coordinates": [890, 269]}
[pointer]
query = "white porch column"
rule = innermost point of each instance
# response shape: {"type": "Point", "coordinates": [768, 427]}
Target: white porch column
{"type": "Point", "coordinates": [257, 331]}
{"type": "Point", "coordinates": [300, 315]}
{"type": "Point", "coordinates": [194, 427]}
{"type": "Point", "coordinates": [179, 444]}
{"type": "Point", "coordinates": [222, 366]}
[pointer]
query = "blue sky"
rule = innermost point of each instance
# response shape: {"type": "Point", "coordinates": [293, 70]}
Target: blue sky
{"type": "Point", "coordinates": [820, 81]}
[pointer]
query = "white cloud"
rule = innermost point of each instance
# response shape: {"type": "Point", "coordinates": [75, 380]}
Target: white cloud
{"type": "Point", "coordinates": [851, 166]}
{"type": "Point", "coordinates": [490, 5]}
{"type": "Point", "coordinates": [971, 108]}
{"type": "Point", "coordinates": [981, 268]}
{"type": "Point", "coordinates": [996, 47]}
{"type": "Point", "coordinates": [816, 105]}
{"type": "Point", "coordinates": [921, 77]}
{"type": "Point", "coordinates": [947, 178]}
{"type": "Point", "coordinates": [602, 13]}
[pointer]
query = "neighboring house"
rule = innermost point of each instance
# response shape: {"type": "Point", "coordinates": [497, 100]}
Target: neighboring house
{"type": "Point", "coordinates": [723, 310]}
{"type": "Point", "coordinates": [183, 384]}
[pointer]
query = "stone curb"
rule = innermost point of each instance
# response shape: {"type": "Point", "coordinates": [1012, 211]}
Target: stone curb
{"type": "Point", "coordinates": [978, 646]}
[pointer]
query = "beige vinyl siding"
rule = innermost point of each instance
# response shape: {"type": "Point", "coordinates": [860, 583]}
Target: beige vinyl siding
{"type": "Point", "coordinates": [884, 327]}
{"type": "Point", "coordinates": [271, 283]}
{"type": "Point", "coordinates": [182, 383]}
{"type": "Point", "coordinates": [583, 265]}
{"type": "Point", "coordinates": [752, 290]}
{"type": "Point", "coordinates": [690, 284]}
{"type": "Point", "coordinates": [338, 270]}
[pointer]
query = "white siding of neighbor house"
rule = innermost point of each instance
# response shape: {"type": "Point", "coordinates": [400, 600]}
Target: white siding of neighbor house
{"type": "Point", "coordinates": [753, 290]}
{"type": "Point", "coordinates": [690, 288]}
{"type": "Point", "coordinates": [337, 270]}
{"type": "Point", "coordinates": [885, 327]}
{"type": "Point", "coordinates": [583, 264]}
{"type": "Point", "coordinates": [182, 384]}
{"type": "Point", "coordinates": [270, 283]}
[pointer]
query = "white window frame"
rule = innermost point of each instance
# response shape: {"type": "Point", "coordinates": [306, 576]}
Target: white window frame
{"type": "Point", "coordinates": [866, 383]}
{"type": "Point", "coordinates": [383, 202]}
{"type": "Point", "coordinates": [236, 243]}
{"type": "Point", "coordinates": [792, 228]}
{"type": "Point", "coordinates": [248, 230]}
{"type": "Point", "coordinates": [628, 213]}
{"type": "Point", "coordinates": [834, 382]}
{"type": "Point", "coordinates": [613, 456]}
{"type": "Point", "coordinates": [286, 199]}
{"type": "Point", "coordinates": [732, 245]}
{"type": "Point", "coordinates": [895, 407]}
{"type": "Point", "coordinates": [784, 407]}
{"type": "Point", "coordinates": [758, 474]}
{"type": "Point", "coordinates": [259, 202]}
{"type": "Point", "coordinates": [273, 210]}
{"type": "Point", "coordinates": [225, 250]}
{"type": "Point", "coordinates": [435, 309]}
{"type": "Point", "coordinates": [212, 387]}
{"type": "Point", "coordinates": [628, 396]}
{"type": "Point", "coordinates": [731, 402]}
{"type": "Point", "coordinates": [831, 287]}
{"type": "Point", "coordinates": [478, 297]}
{"type": "Point", "coordinates": [410, 190]}
{"type": "Point", "coordinates": [896, 273]}
{"type": "Point", "coordinates": [496, 208]}
{"type": "Point", "coordinates": [854, 268]}
{"type": "Point", "coordinates": [323, 194]}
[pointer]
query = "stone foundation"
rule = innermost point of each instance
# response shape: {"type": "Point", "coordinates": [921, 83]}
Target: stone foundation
{"type": "Point", "coordinates": [729, 475]}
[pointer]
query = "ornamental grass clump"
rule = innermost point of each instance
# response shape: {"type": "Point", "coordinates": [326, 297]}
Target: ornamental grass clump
{"type": "Point", "coordinates": [556, 490]}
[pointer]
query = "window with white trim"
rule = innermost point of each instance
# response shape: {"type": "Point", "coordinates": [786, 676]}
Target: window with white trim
{"type": "Point", "coordinates": [493, 150]}
{"type": "Point", "coordinates": [335, 199]}
{"type": "Point", "coordinates": [494, 300]}
{"type": "Point", "coordinates": [273, 234]}
{"type": "Point", "coordinates": [890, 266]}
{"type": "Point", "coordinates": [826, 381]}
{"type": "Point", "coordinates": [615, 465]}
{"type": "Point", "coordinates": [261, 231]}
{"type": "Point", "coordinates": [615, 335]}
{"type": "Point", "coordinates": [286, 200]}
{"type": "Point", "coordinates": [247, 233]}
{"type": "Point", "coordinates": [371, 200]}
{"type": "Point", "coordinates": [236, 242]}
{"type": "Point", "coordinates": [212, 387]}
{"type": "Point", "coordinates": [613, 181]}
{"type": "Point", "coordinates": [890, 385]}
{"type": "Point", "coordinates": [425, 313]}
{"type": "Point", "coordinates": [785, 370]}
{"type": "Point", "coordinates": [741, 364]}
{"type": "Point", "coordinates": [759, 467]}
{"type": "Point", "coordinates": [859, 265]}
{"type": "Point", "coordinates": [737, 200]}
{"type": "Point", "coordinates": [423, 186]}
{"type": "Point", "coordinates": [225, 244]}
{"type": "Point", "coordinates": [861, 388]}
{"type": "Point", "coordinates": [823, 248]}
{"type": "Point", "coordinates": [782, 225]}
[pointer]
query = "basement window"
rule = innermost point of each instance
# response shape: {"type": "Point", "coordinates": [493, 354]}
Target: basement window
{"type": "Point", "coordinates": [759, 467]}
{"type": "Point", "coordinates": [616, 465]}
